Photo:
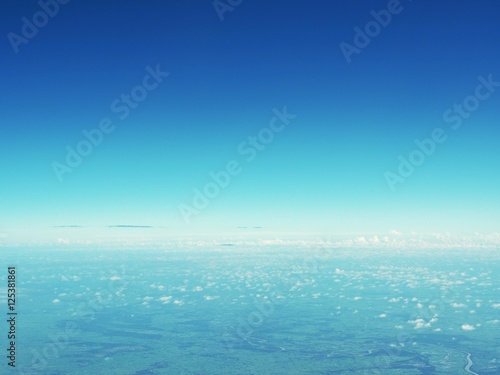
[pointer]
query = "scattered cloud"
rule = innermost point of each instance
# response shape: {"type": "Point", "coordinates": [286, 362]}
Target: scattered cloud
{"type": "Point", "coordinates": [129, 226]}
{"type": "Point", "coordinates": [401, 242]}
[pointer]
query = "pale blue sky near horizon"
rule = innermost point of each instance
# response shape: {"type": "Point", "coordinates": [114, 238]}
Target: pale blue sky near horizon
{"type": "Point", "coordinates": [323, 173]}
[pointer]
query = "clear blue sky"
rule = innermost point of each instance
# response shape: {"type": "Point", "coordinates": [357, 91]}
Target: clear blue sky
{"type": "Point", "coordinates": [325, 172]}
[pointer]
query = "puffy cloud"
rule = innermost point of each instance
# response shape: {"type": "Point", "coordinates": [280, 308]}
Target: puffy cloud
{"type": "Point", "coordinates": [422, 325]}
{"type": "Point", "coordinates": [419, 323]}
{"type": "Point", "coordinates": [468, 327]}
{"type": "Point", "coordinates": [361, 241]}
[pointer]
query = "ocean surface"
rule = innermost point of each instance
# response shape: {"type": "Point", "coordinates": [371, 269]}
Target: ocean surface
{"type": "Point", "coordinates": [244, 310]}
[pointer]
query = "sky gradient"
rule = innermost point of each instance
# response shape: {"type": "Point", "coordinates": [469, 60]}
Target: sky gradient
{"type": "Point", "coordinates": [324, 172]}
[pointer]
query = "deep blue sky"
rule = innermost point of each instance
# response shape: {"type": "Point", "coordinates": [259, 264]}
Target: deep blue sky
{"type": "Point", "coordinates": [325, 173]}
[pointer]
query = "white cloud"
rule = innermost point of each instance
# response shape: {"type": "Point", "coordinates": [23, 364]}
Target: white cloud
{"type": "Point", "coordinates": [210, 298]}
{"type": "Point", "coordinates": [419, 323]}
{"type": "Point", "coordinates": [422, 325]}
{"type": "Point", "coordinates": [393, 239]}
{"type": "Point", "coordinates": [361, 241]}
{"type": "Point", "coordinates": [468, 327]}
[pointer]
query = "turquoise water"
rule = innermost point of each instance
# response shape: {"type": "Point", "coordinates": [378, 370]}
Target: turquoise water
{"type": "Point", "coordinates": [252, 311]}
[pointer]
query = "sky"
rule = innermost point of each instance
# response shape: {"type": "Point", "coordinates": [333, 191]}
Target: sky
{"type": "Point", "coordinates": [116, 116]}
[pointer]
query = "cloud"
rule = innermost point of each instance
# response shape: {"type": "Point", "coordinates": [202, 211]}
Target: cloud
{"type": "Point", "coordinates": [361, 241]}
{"type": "Point", "coordinates": [321, 243]}
{"type": "Point", "coordinates": [129, 226]}
{"type": "Point", "coordinates": [468, 327]}
{"type": "Point", "coordinates": [422, 325]}
{"type": "Point", "coordinates": [419, 323]}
